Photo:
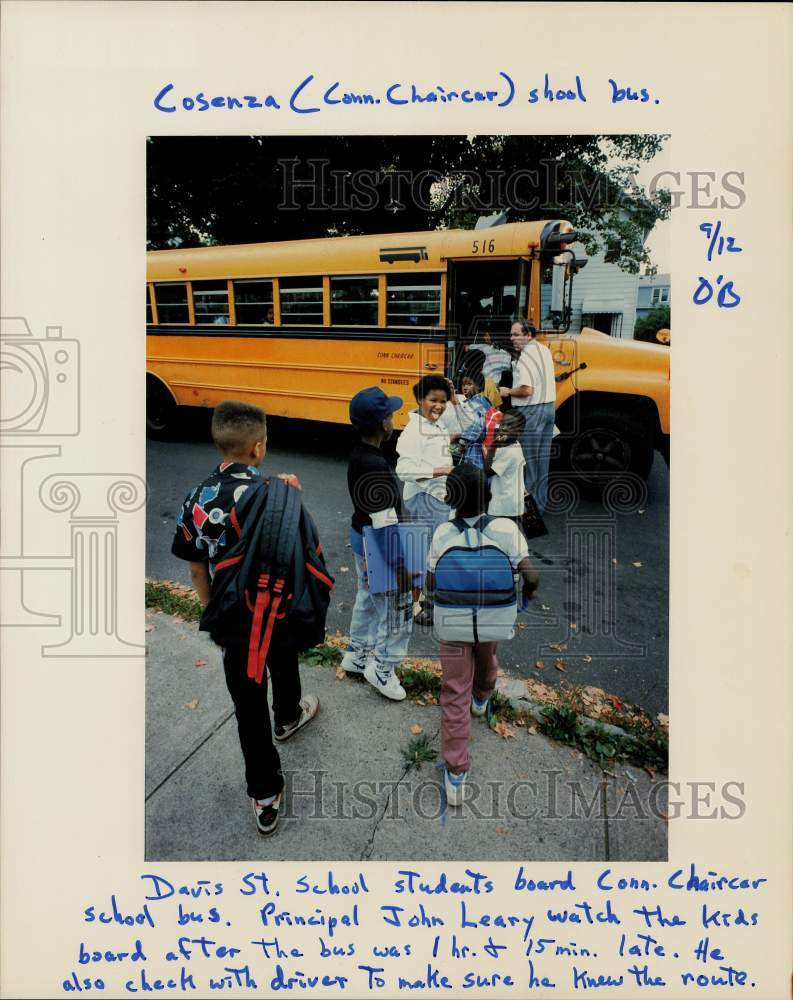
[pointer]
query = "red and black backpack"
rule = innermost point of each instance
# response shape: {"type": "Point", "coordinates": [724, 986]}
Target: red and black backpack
{"type": "Point", "coordinates": [275, 572]}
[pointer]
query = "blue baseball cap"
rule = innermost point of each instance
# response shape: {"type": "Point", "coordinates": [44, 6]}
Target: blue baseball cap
{"type": "Point", "coordinates": [370, 406]}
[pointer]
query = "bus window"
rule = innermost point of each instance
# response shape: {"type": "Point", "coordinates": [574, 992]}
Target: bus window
{"type": "Point", "coordinates": [253, 302]}
{"type": "Point", "coordinates": [149, 317]}
{"type": "Point", "coordinates": [353, 301]}
{"type": "Point", "coordinates": [172, 303]}
{"type": "Point", "coordinates": [211, 302]}
{"type": "Point", "coordinates": [413, 300]}
{"type": "Point", "coordinates": [301, 301]}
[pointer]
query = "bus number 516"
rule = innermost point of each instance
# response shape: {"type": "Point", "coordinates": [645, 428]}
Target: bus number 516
{"type": "Point", "coordinates": [484, 246]}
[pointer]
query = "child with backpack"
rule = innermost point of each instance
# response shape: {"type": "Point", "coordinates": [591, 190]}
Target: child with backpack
{"type": "Point", "coordinates": [254, 555]}
{"type": "Point", "coordinates": [381, 623]}
{"type": "Point", "coordinates": [472, 567]}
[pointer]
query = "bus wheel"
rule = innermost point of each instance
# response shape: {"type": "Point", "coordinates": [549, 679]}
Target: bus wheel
{"type": "Point", "coordinates": [160, 409]}
{"type": "Point", "coordinates": [608, 446]}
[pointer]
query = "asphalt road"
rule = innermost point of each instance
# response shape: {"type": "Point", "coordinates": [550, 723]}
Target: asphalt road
{"type": "Point", "coordinates": [604, 590]}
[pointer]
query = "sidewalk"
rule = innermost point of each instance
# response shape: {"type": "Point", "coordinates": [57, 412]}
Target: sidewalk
{"type": "Point", "coordinates": [350, 793]}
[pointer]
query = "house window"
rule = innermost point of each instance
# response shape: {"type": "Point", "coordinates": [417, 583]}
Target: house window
{"type": "Point", "coordinates": [301, 301]}
{"type": "Point", "coordinates": [211, 302]}
{"type": "Point", "coordinates": [253, 303]}
{"type": "Point", "coordinates": [664, 295]}
{"type": "Point", "coordinates": [172, 303]}
{"type": "Point", "coordinates": [353, 301]}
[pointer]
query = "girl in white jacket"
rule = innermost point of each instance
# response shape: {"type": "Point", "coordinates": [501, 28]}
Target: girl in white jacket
{"type": "Point", "coordinates": [425, 460]}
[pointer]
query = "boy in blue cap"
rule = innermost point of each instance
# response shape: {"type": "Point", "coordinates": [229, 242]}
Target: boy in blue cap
{"type": "Point", "coordinates": [381, 623]}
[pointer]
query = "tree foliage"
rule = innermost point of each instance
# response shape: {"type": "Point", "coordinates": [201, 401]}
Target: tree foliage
{"type": "Point", "coordinates": [205, 190]}
{"type": "Point", "coordinates": [655, 320]}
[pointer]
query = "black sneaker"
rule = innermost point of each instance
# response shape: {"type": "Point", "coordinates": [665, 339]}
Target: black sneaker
{"type": "Point", "coordinates": [309, 707]}
{"type": "Point", "coordinates": [266, 814]}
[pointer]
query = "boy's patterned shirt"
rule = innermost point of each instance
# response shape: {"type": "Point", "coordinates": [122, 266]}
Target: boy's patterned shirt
{"type": "Point", "coordinates": [207, 523]}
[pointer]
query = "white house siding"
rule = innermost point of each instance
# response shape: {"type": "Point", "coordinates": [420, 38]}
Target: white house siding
{"type": "Point", "coordinates": [604, 284]}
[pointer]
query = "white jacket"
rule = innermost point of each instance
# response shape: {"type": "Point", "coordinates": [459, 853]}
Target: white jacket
{"type": "Point", "coordinates": [422, 447]}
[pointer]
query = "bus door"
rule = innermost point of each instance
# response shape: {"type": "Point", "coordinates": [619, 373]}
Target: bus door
{"type": "Point", "coordinates": [485, 297]}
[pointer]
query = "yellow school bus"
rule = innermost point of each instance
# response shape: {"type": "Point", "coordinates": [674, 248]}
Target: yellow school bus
{"type": "Point", "coordinates": [299, 327]}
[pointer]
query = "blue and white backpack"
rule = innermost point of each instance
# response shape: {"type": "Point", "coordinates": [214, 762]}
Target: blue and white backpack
{"type": "Point", "coordinates": [475, 594]}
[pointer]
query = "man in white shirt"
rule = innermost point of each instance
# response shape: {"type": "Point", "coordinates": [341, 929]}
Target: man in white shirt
{"type": "Point", "coordinates": [533, 392]}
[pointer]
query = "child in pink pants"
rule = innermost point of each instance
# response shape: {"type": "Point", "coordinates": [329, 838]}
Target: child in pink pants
{"type": "Point", "coordinates": [472, 567]}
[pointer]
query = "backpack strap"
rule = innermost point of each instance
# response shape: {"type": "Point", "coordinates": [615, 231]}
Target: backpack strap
{"type": "Point", "coordinates": [278, 537]}
{"type": "Point", "coordinates": [480, 525]}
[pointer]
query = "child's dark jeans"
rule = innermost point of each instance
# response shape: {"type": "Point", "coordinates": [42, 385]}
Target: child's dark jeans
{"type": "Point", "coordinates": [262, 763]}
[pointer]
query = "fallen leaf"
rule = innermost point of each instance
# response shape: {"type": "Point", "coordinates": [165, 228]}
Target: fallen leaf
{"type": "Point", "coordinates": [532, 730]}
{"type": "Point", "coordinates": [340, 674]}
{"type": "Point", "coordinates": [616, 702]}
{"type": "Point", "coordinates": [561, 665]}
{"type": "Point", "coordinates": [587, 659]}
{"type": "Point", "coordinates": [555, 647]}
{"type": "Point", "coordinates": [650, 771]}
{"type": "Point", "coordinates": [663, 720]}
{"type": "Point", "coordinates": [501, 830]}
{"type": "Point", "coordinates": [520, 722]}
{"type": "Point", "coordinates": [200, 663]}
{"type": "Point", "coordinates": [181, 637]}
{"type": "Point", "coordinates": [522, 775]}
{"type": "Point", "coordinates": [637, 564]}
{"type": "Point", "coordinates": [642, 510]}
{"type": "Point", "coordinates": [522, 625]}
{"type": "Point", "coordinates": [539, 665]}
{"type": "Point", "coordinates": [344, 569]}
{"type": "Point", "coordinates": [416, 730]}
{"type": "Point", "coordinates": [150, 628]}
{"type": "Point", "coordinates": [504, 731]}
{"type": "Point", "coordinates": [192, 705]}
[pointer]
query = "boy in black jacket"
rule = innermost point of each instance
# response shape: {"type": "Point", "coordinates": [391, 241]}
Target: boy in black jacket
{"type": "Point", "coordinates": [206, 528]}
{"type": "Point", "coordinates": [381, 623]}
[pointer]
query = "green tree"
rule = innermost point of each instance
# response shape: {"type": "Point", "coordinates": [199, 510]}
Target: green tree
{"type": "Point", "coordinates": [205, 190]}
{"type": "Point", "coordinates": [655, 320]}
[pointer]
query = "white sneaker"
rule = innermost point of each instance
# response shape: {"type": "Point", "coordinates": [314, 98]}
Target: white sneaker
{"type": "Point", "coordinates": [387, 684]}
{"type": "Point", "coordinates": [479, 708]}
{"type": "Point", "coordinates": [455, 787]}
{"type": "Point", "coordinates": [351, 664]}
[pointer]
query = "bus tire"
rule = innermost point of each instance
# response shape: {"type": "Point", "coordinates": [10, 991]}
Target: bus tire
{"type": "Point", "coordinates": [160, 409]}
{"type": "Point", "coordinates": [609, 445]}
